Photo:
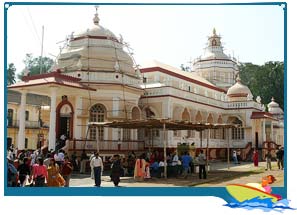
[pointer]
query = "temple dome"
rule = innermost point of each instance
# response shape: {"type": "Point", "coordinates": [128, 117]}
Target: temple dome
{"type": "Point", "coordinates": [95, 49]}
{"type": "Point", "coordinates": [239, 91]}
{"type": "Point", "coordinates": [95, 30]}
{"type": "Point", "coordinates": [214, 53]}
{"type": "Point", "coordinates": [274, 108]}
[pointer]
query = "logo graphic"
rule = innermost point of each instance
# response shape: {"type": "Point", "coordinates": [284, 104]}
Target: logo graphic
{"type": "Point", "coordinates": [256, 196]}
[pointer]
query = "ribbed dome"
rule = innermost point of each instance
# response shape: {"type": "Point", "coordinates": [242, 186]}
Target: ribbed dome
{"type": "Point", "coordinates": [214, 53]}
{"type": "Point", "coordinates": [239, 90]}
{"type": "Point", "coordinates": [95, 49]}
{"type": "Point", "coordinates": [274, 108]}
{"type": "Point", "coordinates": [95, 30]}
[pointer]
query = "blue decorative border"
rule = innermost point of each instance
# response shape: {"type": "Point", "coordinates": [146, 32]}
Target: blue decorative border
{"type": "Point", "coordinates": [132, 191]}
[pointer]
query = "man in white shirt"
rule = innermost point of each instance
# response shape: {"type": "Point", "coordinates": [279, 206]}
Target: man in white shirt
{"type": "Point", "coordinates": [92, 170]}
{"type": "Point", "coordinates": [202, 162]}
{"type": "Point", "coordinates": [234, 156]}
{"type": "Point", "coordinates": [174, 159]}
{"type": "Point", "coordinates": [161, 163]}
{"type": "Point", "coordinates": [97, 165]}
{"type": "Point", "coordinates": [174, 164]}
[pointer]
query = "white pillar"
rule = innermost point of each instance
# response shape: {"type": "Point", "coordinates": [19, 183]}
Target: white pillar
{"type": "Point", "coordinates": [52, 127]}
{"type": "Point", "coordinates": [254, 123]}
{"type": "Point", "coordinates": [21, 134]}
{"type": "Point", "coordinates": [228, 147]}
{"type": "Point", "coordinates": [164, 150]}
{"type": "Point", "coordinates": [115, 106]}
{"type": "Point", "coordinates": [97, 138]}
{"type": "Point", "coordinates": [166, 109]}
{"type": "Point", "coordinates": [77, 122]}
{"type": "Point", "coordinates": [271, 131]}
{"type": "Point", "coordinates": [134, 134]}
{"type": "Point", "coordinates": [264, 132]}
{"type": "Point", "coordinates": [115, 134]}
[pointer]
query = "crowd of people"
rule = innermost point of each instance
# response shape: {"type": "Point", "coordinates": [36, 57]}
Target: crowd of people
{"type": "Point", "coordinates": [54, 168]}
{"type": "Point", "coordinates": [268, 157]}
{"type": "Point", "coordinates": [279, 157]}
{"type": "Point", "coordinates": [39, 169]}
{"type": "Point", "coordinates": [152, 165]}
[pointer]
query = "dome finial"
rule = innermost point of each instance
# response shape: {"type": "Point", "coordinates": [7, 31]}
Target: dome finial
{"type": "Point", "coordinates": [214, 31]}
{"type": "Point", "coordinates": [96, 18]}
{"type": "Point", "coordinates": [272, 99]}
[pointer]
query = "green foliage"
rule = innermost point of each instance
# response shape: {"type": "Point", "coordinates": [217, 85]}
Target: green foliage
{"type": "Point", "coordinates": [36, 65]}
{"type": "Point", "coordinates": [266, 80]}
{"type": "Point", "coordinates": [11, 74]}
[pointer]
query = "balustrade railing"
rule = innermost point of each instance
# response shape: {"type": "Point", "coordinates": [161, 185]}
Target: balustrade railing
{"type": "Point", "coordinates": [28, 124]}
{"type": "Point", "coordinates": [106, 145]}
{"type": "Point", "coordinates": [199, 98]}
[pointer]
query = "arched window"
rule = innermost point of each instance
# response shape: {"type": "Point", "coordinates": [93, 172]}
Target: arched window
{"type": "Point", "coordinates": [97, 114]}
{"type": "Point", "coordinates": [135, 113]}
{"type": "Point", "coordinates": [186, 115]}
{"type": "Point", "coordinates": [220, 133]}
{"type": "Point", "coordinates": [126, 134]}
{"type": "Point", "coordinates": [198, 117]}
{"type": "Point", "coordinates": [210, 119]}
{"type": "Point", "coordinates": [237, 133]}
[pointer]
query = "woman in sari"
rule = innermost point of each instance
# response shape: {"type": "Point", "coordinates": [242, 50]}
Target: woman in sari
{"type": "Point", "coordinates": [256, 157]}
{"type": "Point", "coordinates": [139, 170]}
{"type": "Point", "coordinates": [54, 177]}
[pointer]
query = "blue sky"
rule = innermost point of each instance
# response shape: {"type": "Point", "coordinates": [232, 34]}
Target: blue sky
{"type": "Point", "coordinates": [174, 35]}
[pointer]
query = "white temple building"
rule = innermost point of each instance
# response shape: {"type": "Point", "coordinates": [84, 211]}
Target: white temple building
{"type": "Point", "coordinates": [96, 80]}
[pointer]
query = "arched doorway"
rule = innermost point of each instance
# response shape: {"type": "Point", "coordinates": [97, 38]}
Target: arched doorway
{"type": "Point", "coordinates": [64, 119]}
{"type": "Point", "coordinates": [238, 132]}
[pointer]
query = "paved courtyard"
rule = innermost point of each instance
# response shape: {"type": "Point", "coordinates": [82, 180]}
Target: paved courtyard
{"type": "Point", "coordinates": [219, 175]}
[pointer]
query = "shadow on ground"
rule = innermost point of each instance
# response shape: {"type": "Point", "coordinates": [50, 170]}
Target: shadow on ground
{"type": "Point", "coordinates": [213, 177]}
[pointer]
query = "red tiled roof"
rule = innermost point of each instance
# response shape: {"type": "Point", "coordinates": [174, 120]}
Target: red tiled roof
{"type": "Point", "coordinates": [50, 78]}
{"type": "Point", "coordinates": [262, 115]}
{"type": "Point", "coordinates": [181, 76]}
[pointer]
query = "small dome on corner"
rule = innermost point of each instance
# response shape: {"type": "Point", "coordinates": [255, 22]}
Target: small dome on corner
{"type": "Point", "coordinates": [239, 90]}
{"type": "Point", "coordinates": [273, 108]}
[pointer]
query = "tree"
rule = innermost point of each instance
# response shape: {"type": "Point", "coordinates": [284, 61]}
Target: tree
{"type": "Point", "coordinates": [266, 80]}
{"type": "Point", "coordinates": [11, 74]}
{"type": "Point", "coordinates": [36, 65]}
